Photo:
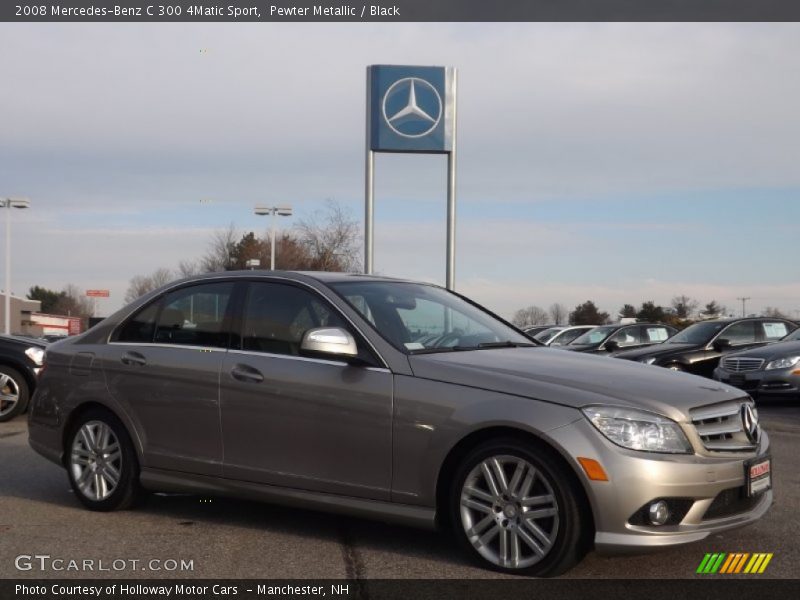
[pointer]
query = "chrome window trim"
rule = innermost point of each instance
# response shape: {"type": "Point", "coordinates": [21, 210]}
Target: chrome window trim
{"type": "Point", "coordinates": [222, 278]}
{"type": "Point", "coordinates": [162, 345]}
{"type": "Point", "coordinates": [338, 363]}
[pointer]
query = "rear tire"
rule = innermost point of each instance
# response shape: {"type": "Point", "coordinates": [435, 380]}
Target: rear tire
{"type": "Point", "coordinates": [14, 393]}
{"type": "Point", "coordinates": [101, 462]}
{"type": "Point", "coordinates": [514, 510]}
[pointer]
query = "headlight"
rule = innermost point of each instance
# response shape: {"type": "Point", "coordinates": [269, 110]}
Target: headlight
{"type": "Point", "coordinates": [35, 354]}
{"type": "Point", "coordinates": [648, 361]}
{"type": "Point", "coordinates": [783, 363]}
{"type": "Point", "coordinates": [638, 430]}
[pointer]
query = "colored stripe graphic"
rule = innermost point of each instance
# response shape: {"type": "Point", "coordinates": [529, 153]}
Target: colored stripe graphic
{"type": "Point", "coordinates": [734, 563]}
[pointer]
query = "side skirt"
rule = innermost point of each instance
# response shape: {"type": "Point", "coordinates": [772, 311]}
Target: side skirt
{"type": "Point", "coordinates": [402, 514]}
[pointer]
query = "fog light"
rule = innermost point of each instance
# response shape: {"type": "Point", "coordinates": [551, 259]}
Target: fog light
{"type": "Point", "coordinates": [658, 512]}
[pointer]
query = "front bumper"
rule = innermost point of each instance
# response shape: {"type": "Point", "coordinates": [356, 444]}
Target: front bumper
{"type": "Point", "coordinates": [778, 382]}
{"type": "Point", "coordinates": [709, 488]}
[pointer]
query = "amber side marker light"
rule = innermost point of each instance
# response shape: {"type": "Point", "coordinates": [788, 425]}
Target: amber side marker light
{"type": "Point", "coordinates": [594, 470]}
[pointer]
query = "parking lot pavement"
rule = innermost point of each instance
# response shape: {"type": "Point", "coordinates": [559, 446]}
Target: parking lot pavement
{"type": "Point", "coordinates": [231, 538]}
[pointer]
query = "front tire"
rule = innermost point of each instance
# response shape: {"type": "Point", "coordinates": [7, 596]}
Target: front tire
{"type": "Point", "coordinates": [101, 462]}
{"type": "Point", "coordinates": [514, 510]}
{"type": "Point", "coordinates": [14, 393]}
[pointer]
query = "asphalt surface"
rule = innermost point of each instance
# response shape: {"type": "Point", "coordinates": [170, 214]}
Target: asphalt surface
{"type": "Point", "coordinates": [237, 539]}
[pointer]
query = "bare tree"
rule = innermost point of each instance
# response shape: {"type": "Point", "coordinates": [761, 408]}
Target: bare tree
{"type": "Point", "coordinates": [530, 316]}
{"type": "Point", "coordinates": [774, 313]}
{"type": "Point", "coordinates": [221, 250]}
{"type": "Point", "coordinates": [189, 268]}
{"type": "Point", "coordinates": [684, 306]}
{"type": "Point", "coordinates": [73, 302]}
{"type": "Point", "coordinates": [559, 313]}
{"type": "Point", "coordinates": [142, 284]}
{"type": "Point", "coordinates": [332, 237]}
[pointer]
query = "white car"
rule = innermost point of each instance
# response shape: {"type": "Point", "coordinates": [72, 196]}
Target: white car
{"type": "Point", "coordinates": [561, 336]}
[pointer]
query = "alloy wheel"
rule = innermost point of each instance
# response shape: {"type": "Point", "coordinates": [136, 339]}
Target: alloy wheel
{"type": "Point", "coordinates": [96, 460]}
{"type": "Point", "coordinates": [509, 512]}
{"type": "Point", "coordinates": [9, 394]}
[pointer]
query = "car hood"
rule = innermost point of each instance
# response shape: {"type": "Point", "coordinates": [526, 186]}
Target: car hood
{"type": "Point", "coordinates": [21, 342]}
{"type": "Point", "coordinates": [662, 349]}
{"type": "Point", "coordinates": [776, 350]}
{"type": "Point", "coordinates": [574, 379]}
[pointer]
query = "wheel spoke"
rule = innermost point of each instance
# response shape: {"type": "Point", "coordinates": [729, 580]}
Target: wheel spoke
{"type": "Point", "coordinates": [489, 477]}
{"type": "Point", "coordinates": [475, 505]}
{"type": "Point", "coordinates": [84, 476]}
{"type": "Point", "coordinates": [516, 477]}
{"type": "Point", "coordinates": [542, 513]}
{"type": "Point", "coordinates": [537, 500]}
{"type": "Point", "coordinates": [99, 486]}
{"type": "Point", "coordinates": [479, 494]}
{"type": "Point", "coordinates": [4, 379]}
{"type": "Point", "coordinates": [539, 534]}
{"type": "Point", "coordinates": [497, 469]}
{"type": "Point", "coordinates": [527, 483]}
{"type": "Point", "coordinates": [480, 526]}
{"type": "Point", "coordinates": [110, 479]}
{"type": "Point", "coordinates": [530, 542]}
{"type": "Point", "coordinates": [80, 460]}
{"type": "Point", "coordinates": [504, 546]}
{"type": "Point", "coordinates": [515, 551]}
{"type": "Point", "coordinates": [489, 536]}
{"type": "Point", "coordinates": [86, 436]}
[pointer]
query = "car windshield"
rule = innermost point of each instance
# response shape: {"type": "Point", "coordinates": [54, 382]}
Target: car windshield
{"type": "Point", "coordinates": [419, 318]}
{"type": "Point", "coordinates": [595, 336]}
{"type": "Point", "coordinates": [548, 334]}
{"type": "Point", "coordinates": [792, 337]}
{"type": "Point", "coordinates": [699, 333]}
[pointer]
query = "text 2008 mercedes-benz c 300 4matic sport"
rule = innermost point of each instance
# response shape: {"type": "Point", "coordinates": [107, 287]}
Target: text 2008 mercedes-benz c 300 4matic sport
{"type": "Point", "coordinates": [399, 401]}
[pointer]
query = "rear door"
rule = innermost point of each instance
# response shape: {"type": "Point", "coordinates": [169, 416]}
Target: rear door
{"type": "Point", "coordinates": [163, 366]}
{"type": "Point", "coordinates": [302, 422]}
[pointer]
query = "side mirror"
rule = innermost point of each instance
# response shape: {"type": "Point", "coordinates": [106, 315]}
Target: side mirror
{"type": "Point", "coordinates": [329, 341]}
{"type": "Point", "coordinates": [722, 344]}
{"type": "Point", "coordinates": [612, 346]}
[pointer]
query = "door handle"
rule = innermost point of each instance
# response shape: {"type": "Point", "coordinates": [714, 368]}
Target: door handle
{"type": "Point", "coordinates": [246, 374]}
{"type": "Point", "coordinates": [133, 359]}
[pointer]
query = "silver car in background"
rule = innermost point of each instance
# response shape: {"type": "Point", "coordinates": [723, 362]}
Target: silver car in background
{"type": "Point", "coordinates": [398, 401]}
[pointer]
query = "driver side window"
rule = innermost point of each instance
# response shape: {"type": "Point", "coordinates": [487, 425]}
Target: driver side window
{"type": "Point", "coordinates": [740, 333]}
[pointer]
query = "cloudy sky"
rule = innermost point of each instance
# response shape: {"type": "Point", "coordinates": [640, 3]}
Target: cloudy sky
{"type": "Point", "coordinates": [613, 162]}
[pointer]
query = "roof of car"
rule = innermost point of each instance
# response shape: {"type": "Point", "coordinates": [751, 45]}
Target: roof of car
{"type": "Point", "coordinates": [323, 276]}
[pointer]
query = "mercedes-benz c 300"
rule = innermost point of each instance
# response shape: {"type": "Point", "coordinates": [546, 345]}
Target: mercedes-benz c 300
{"type": "Point", "coordinates": [398, 401]}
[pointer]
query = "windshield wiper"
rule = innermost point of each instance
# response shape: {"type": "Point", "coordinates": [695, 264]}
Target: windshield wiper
{"type": "Point", "coordinates": [506, 344]}
{"type": "Point", "coordinates": [436, 350]}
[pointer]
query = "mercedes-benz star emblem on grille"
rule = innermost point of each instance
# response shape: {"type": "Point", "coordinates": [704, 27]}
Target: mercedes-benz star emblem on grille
{"type": "Point", "coordinates": [750, 422]}
{"type": "Point", "coordinates": [412, 107]}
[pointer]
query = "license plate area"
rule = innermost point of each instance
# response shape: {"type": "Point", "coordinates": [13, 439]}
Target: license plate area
{"type": "Point", "coordinates": [758, 475]}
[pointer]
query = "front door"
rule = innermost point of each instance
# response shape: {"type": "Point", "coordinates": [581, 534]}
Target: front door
{"type": "Point", "coordinates": [300, 422]}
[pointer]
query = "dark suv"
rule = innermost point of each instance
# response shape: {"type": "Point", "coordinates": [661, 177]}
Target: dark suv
{"type": "Point", "coordinates": [698, 348]}
{"type": "Point", "coordinates": [20, 361]}
{"type": "Point", "coordinates": [611, 338]}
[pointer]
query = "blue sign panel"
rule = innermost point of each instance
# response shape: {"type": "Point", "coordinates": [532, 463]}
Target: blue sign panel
{"type": "Point", "coordinates": [411, 109]}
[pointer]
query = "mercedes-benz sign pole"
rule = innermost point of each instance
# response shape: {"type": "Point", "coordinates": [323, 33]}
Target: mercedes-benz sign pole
{"type": "Point", "coordinates": [411, 109]}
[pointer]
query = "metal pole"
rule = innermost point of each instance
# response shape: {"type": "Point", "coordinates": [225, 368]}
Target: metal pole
{"type": "Point", "coordinates": [8, 267]}
{"type": "Point", "coordinates": [369, 211]}
{"type": "Point", "coordinates": [272, 244]}
{"type": "Point", "coordinates": [369, 183]}
{"type": "Point", "coordinates": [451, 200]}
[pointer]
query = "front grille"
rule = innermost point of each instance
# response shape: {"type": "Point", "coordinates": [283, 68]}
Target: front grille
{"type": "Point", "coordinates": [720, 427]}
{"type": "Point", "coordinates": [731, 502]}
{"type": "Point", "coordinates": [742, 364]}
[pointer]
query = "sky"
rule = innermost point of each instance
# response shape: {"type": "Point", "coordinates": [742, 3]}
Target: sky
{"type": "Point", "coordinates": [617, 163]}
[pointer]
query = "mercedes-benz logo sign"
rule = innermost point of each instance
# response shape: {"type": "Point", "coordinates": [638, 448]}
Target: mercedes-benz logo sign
{"type": "Point", "coordinates": [750, 422]}
{"type": "Point", "coordinates": [412, 107]}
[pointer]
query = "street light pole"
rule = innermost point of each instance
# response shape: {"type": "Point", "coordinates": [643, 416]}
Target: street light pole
{"type": "Point", "coordinates": [275, 211]}
{"type": "Point", "coordinates": [8, 204]}
{"type": "Point", "coordinates": [743, 302]}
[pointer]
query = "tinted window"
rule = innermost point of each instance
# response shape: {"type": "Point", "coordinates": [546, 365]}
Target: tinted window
{"type": "Point", "coordinates": [568, 336]}
{"type": "Point", "coordinates": [628, 336]}
{"type": "Point", "coordinates": [740, 333]}
{"type": "Point", "coordinates": [194, 316]}
{"type": "Point", "coordinates": [699, 333]}
{"type": "Point", "coordinates": [276, 316]}
{"type": "Point", "coordinates": [774, 330]}
{"type": "Point", "coordinates": [595, 336]}
{"type": "Point", "coordinates": [141, 327]}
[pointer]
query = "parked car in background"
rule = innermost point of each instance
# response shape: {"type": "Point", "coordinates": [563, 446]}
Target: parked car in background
{"type": "Point", "coordinates": [698, 348]}
{"type": "Point", "coordinates": [307, 389]}
{"type": "Point", "coordinates": [607, 339]}
{"type": "Point", "coordinates": [771, 370]}
{"type": "Point", "coordinates": [20, 361]}
{"type": "Point", "coordinates": [536, 329]}
{"type": "Point", "coordinates": [562, 335]}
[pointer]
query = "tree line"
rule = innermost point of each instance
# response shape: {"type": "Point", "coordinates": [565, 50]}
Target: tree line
{"type": "Point", "coordinates": [681, 312]}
